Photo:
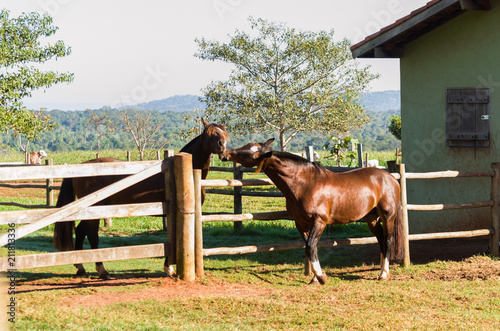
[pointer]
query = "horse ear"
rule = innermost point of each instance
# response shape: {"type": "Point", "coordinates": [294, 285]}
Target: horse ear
{"type": "Point", "coordinates": [205, 123]}
{"type": "Point", "coordinates": [267, 143]}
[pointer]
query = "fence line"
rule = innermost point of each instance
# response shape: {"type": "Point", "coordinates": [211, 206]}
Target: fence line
{"type": "Point", "coordinates": [187, 246]}
{"type": "Point", "coordinates": [493, 232]}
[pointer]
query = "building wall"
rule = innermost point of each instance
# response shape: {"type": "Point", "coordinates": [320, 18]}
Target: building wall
{"type": "Point", "coordinates": [464, 52]}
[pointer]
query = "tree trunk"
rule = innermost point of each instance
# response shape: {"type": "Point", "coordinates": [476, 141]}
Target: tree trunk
{"type": "Point", "coordinates": [282, 141]}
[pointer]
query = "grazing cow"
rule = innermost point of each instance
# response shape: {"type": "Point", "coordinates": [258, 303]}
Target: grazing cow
{"type": "Point", "coordinates": [37, 157]}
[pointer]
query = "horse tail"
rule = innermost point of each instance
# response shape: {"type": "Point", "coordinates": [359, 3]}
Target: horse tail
{"type": "Point", "coordinates": [397, 247]}
{"type": "Point", "coordinates": [63, 231]}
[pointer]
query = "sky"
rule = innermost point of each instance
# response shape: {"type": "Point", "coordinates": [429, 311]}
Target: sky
{"type": "Point", "coordinates": [125, 52]}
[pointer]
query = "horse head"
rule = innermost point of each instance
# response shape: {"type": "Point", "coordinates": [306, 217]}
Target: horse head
{"type": "Point", "coordinates": [252, 154]}
{"type": "Point", "coordinates": [215, 137]}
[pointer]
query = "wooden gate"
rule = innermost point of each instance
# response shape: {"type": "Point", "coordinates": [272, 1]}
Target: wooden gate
{"type": "Point", "coordinates": [83, 208]}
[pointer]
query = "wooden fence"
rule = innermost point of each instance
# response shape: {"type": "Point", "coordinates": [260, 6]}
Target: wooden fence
{"type": "Point", "coordinates": [493, 204]}
{"type": "Point", "coordinates": [184, 245]}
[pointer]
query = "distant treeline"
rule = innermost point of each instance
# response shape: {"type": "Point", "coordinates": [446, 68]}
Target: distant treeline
{"type": "Point", "coordinates": [73, 133]}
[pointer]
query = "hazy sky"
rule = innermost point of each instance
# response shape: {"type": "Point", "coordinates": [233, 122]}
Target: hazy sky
{"type": "Point", "coordinates": [127, 52]}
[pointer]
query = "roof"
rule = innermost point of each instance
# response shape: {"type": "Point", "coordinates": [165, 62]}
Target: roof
{"type": "Point", "coordinates": [389, 42]}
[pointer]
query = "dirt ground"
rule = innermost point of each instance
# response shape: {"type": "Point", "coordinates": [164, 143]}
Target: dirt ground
{"type": "Point", "coordinates": [466, 251]}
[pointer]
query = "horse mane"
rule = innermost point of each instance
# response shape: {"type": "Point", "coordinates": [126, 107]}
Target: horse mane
{"type": "Point", "coordinates": [190, 145]}
{"type": "Point", "coordinates": [300, 160]}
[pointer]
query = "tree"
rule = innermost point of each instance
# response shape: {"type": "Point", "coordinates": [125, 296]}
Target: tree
{"type": "Point", "coordinates": [101, 124]}
{"type": "Point", "coordinates": [285, 81]}
{"type": "Point", "coordinates": [31, 124]}
{"type": "Point", "coordinates": [20, 47]}
{"type": "Point", "coordinates": [395, 126]}
{"type": "Point", "coordinates": [142, 126]}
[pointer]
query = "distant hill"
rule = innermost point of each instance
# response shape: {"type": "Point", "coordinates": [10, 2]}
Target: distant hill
{"type": "Point", "coordinates": [373, 101]}
{"type": "Point", "coordinates": [176, 103]}
{"type": "Point", "coordinates": [382, 101]}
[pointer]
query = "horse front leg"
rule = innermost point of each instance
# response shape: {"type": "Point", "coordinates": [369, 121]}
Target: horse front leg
{"type": "Point", "coordinates": [169, 269]}
{"type": "Point", "coordinates": [93, 236]}
{"type": "Point", "coordinates": [312, 252]}
{"type": "Point", "coordinates": [307, 262]}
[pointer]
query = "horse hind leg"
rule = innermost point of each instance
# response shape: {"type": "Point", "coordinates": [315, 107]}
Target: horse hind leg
{"type": "Point", "coordinates": [387, 242]}
{"type": "Point", "coordinates": [80, 233]}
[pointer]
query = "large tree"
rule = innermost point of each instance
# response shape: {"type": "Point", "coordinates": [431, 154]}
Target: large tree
{"type": "Point", "coordinates": [20, 49]}
{"type": "Point", "coordinates": [285, 81]}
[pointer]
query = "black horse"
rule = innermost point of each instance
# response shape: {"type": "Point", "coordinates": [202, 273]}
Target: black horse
{"type": "Point", "coordinates": [213, 140]}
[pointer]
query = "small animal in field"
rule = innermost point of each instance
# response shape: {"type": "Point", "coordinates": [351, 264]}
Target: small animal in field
{"type": "Point", "coordinates": [36, 157]}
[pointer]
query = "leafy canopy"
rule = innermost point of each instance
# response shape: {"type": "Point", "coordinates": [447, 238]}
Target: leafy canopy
{"type": "Point", "coordinates": [285, 81]}
{"type": "Point", "coordinates": [395, 126]}
{"type": "Point", "coordinates": [20, 48]}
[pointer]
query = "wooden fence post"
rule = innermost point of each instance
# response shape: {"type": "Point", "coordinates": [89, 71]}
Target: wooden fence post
{"type": "Point", "coordinates": [310, 153]}
{"type": "Point", "coordinates": [169, 220]}
{"type": "Point", "coordinates": [185, 216]}
{"type": "Point", "coordinates": [238, 204]}
{"type": "Point", "coordinates": [50, 186]}
{"type": "Point", "coordinates": [495, 210]}
{"type": "Point", "coordinates": [307, 262]}
{"type": "Point", "coordinates": [360, 155]}
{"type": "Point", "coordinates": [128, 156]}
{"type": "Point", "coordinates": [198, 225]}
{"type": "Point", "coordinates": [404, 205]}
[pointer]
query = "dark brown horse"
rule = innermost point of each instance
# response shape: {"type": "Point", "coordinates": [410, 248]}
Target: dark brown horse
{"type": "Point", "coordinates": [316, 197]}
{"type": "Point", "coordinates": [213, 140]}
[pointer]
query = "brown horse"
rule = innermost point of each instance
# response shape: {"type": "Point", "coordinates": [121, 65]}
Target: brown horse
{"type": "Point", "coordinates": [316, 197]}
{"type": "Point", "coordinates": [213, 140]}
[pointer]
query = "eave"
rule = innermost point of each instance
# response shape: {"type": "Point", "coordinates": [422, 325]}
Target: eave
{"type": "Point", "coordinates": [389, 42]}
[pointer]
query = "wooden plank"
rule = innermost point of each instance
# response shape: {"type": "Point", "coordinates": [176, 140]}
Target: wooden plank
{"type": "Point", "coordinates": [404, 217]}
{"type": "Point", "coordinates": [247, 216]}
{"type": "Point", "coordinates": [75, 170]}
{"type": "Point", "coordinates": [468, 205]}
{"type": "Point", "coordinates": [495, 210]}
{"type": "Point", "coordinates": [337, 242]}
{"type": "Point", "coordinates": [90, 213]}
{"type": "Point", "coordinates": [235, 182]}
{"type": "Point", "coordinates": [449, 174]}
{"type": "Point", "coordinates": [447, 235]}
{"type": "Point", "coordinates": [285, 246]}
{"type": "Point", "coordinates": [17, 186]}
{"type": "Point", "coordinates": [82, 203]}
{"type": "Point", "coordinates": [85, 256]}
{"type": "Point", "coordinates": [198, 225]}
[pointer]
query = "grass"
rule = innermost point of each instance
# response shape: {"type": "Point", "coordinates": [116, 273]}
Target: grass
{"type": "Point", "coordinates": [261, 291]}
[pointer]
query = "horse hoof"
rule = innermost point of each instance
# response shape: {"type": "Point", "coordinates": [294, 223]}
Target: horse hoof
{"type": "Point", "coordinates": [169, 271]}
{"type": "Point", "coordinates": [81, 273]}
{"type": "Point", "coordinates": [105, 276]}
{"type": "Point", "coordinates": [322, 279]}
{"type": "Point", "coordinates": [314, 281]}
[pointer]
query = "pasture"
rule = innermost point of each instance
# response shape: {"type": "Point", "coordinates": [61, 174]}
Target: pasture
{"type": "Point", "coordinates": [450, 285]}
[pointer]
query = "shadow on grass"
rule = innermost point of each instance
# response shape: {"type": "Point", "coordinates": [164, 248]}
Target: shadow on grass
{"type": "Point", "coordinates": [57, 281]}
